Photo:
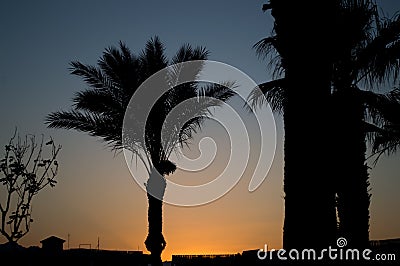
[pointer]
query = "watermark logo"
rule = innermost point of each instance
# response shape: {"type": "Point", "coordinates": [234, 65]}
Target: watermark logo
{"type": "Point", "coordinates": [252, 139]}
{"type": "Point", "coordinates": [330, 253]}
{"type": "Point", "coordinates": [341, 242]}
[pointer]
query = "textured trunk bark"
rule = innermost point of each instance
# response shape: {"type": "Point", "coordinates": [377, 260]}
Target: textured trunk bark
{"type": "Point", "coordinates": [155, 242]}
{"type": "Point", "coordinates": [353, 198]}
{"type": "Point", "coordinates": [310, 219]}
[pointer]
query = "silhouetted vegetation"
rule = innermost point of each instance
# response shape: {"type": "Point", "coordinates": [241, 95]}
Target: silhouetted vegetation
{"type": "Point", "coordinates": [387, 138]}
{"type": "Point", "coordinates": [26, 168]}
{"type": "Point", "coordinates": [100, 112]}
{"type": "Point", "coordinates": [364, 56]}
{"type": "Point", "coordinates": [305, 68]}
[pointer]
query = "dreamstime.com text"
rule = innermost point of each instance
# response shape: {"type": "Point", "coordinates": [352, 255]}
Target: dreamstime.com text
{"type": "Point", "coordinates": [330, 253]}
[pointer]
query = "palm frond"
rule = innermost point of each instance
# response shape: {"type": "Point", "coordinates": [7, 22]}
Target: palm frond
{"type": "Point", "coordinates": [191, 127]}
{"type": "Point", "coordinates": [152, 58]}
{"type": "Point", "coordinates": [93, 76]}
{"type": "Point", "coordinates": [384, 111]}
{"type": "Point", "coordinates": [95, 125]}
{"type": "Point", "coordinates": [100, 110]}
{"type": "Point", "coordinates": [381, 107]}
{"type": "Point", "coordinates": [193, 109]}
{"type": "Point", "coordinates": [265, 46]}
{"type": "Point", "coordinates": [268, 49]}
{"type": "Point", "coordinates": [187, 53]}
{"type": "Point", "coordinates": [387, 141]}
{"type": "Point", "coordinates": [99, 102]}
{"type": "Point", "coordinates": [120, 66]}
{"type": "Point", "coordinates": [181, 72]}
{"type": "Point", "coordinates": [271, 92]}
{"type": "Point", "coordinates": [379, 60]}
{"type": "Point", "coordinates": [219, 92]}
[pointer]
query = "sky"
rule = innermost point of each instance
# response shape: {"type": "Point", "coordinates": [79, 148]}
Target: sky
{"type": "Point", "coordinates": [96, 196]}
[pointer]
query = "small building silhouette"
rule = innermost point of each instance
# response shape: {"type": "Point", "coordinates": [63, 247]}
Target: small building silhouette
{"type": "Point", "coordinates": [53, 244]}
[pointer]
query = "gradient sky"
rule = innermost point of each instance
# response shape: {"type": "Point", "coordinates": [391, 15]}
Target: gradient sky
{"type": "Point", "coordinates": [96, 195]}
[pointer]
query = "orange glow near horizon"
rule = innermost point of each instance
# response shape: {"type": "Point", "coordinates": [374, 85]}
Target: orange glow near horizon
{"type": "Point", "coordinates": [97, 197]}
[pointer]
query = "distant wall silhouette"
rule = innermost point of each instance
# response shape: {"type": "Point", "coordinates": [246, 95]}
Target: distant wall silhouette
{"type": "Point", "coordinates": [35, 256]}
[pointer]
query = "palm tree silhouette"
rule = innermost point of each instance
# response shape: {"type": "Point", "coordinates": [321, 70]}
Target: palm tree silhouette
{"type": "Point", "coordinates": [367, 59]}
{"type": "Point", "coordinates": [100, 110]}
{"type": "Point", "coordinates": [308, 186]}
{"type": "Point", "coordinates": [365, 55]}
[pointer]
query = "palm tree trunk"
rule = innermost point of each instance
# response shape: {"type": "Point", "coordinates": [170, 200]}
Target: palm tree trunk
{"type": "Point", "coordinates": [155, 242]}
{"type": "Point", "coordinates": [353, 198]}
{"type": "Point", "coordinates": [310, 220]}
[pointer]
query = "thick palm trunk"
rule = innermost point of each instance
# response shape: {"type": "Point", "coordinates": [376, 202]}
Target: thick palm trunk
{"type": "Point", "coordinates": [353, 198]}
{"type": "Point", "coordinates": [310, 220]}
{"type": "Point", "coordinates": [155, 242]}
